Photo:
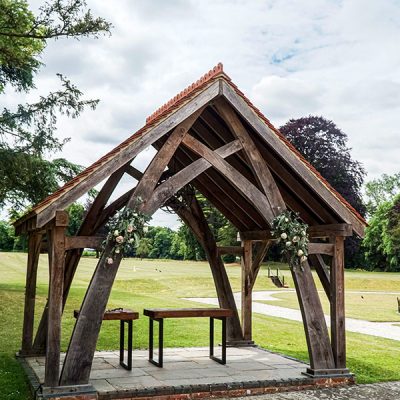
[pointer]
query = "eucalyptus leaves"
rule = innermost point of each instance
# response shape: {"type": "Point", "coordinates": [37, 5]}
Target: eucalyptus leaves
{"type": "Point", "coordinates": [292, 236]}
{"type": "Point", "coordinates": [125, 230]}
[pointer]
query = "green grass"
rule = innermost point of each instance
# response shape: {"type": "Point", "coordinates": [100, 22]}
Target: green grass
{"type": "Point", "coordinates": [376, 307]}
{"type": "Point", "coordinates": [139, 285]}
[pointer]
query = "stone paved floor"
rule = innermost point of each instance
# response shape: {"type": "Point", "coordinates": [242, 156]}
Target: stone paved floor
{"type": "Point", "coordinates": [377, 391]}
{"type": "Point", "coordinates": [185, 366]}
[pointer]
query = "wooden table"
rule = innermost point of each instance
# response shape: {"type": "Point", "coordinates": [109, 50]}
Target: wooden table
{"type": "Point", "coordinates": [123, 315]}
{"type": "Point", "coordinates": [159, 314]}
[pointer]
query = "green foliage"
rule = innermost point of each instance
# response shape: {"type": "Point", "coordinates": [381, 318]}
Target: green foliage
{"type": "Point", "coordinates": [144, 247]}
{"type": "Point", "coordinates": [7, 237]}
{"type": "Point", "coordinates": [161, 242]}
{"type": "Point", "coordinates": [76, 212]}
{"type": "Point", "coordinates": [27, 133]}
{"type": "Point", "coordinates": [382, 237]}
{"type": "Point", "coordinates": [381, 190]}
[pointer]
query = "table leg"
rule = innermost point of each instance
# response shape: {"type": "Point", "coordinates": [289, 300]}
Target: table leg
{"type": "Point", "coordinates": [122, 344]}
{"type": "Point", "coordinates": [221, 360]}
{"type": "Point", "coordinates": [160, 341]}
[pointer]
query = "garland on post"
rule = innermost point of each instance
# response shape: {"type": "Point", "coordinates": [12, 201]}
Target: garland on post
{"type": "Point", "coordinates": [292, 237]}
{"type": "Point", "coordinates": [125, 230]}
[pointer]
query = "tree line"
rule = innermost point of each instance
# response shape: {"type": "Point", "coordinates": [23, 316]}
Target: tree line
{"type": "Point", "coordinates": [28, 142]}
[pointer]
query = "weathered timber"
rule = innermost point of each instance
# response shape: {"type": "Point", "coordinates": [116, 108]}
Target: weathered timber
{"type": "Point", "coordinates": [187, 312]}
{"type": "Point", "coordinates": [148, 182]}
{"type": "Point", "coordinates": [230, 250]}
{"type": "Point", "coordinates": [318, 343]}
{"type": "Point", "coordinates": [34, 246]}
{"type": "Point", "coordinates": [196, 221]}
{"type": "Point", "coordinates": [55, 301]}
{"type": "Point", "coordinates": [185, 176]}
{"type": "Point", "coordinates": [323, 273]}
{"type": "Point", "coordinates": [322, 231]}
{"type": "Point", "coordinates": [81, 242]}
{"type": "Point", "coordinates": [338, 333]}
{"type": "Point", "coordinates": [261, 171]}
{"type": "Point", "coordinates": [246, 264]}
{"type": "Point", "coordinates": [251, 192]}
{"type": "Point", "coordinates": [79, 357]}
{"type": "Point", "coordinates": [260, 251]}
{"type": "Point", "coordinates": [256, 235]}
{"type": "Point", "coordinates": [321, 248]}
{"type": "Point", "coordinates": [121, 158]}
{"type": "Point", "coordinates": [116, 315]}
{"type": "Point", "coordinates": [303, 171]}
{"type": "Point", "coordinates": [88, 227]}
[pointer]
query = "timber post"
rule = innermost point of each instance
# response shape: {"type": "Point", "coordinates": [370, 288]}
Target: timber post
{"type": "Point", "coordinates": [246, 298]}
{"type": "Point", "coordinates": [55, 303]}
{"type": "Point", "coordinates": [34, 244]}
{"type": "Point", "coordinates": [338, 333]}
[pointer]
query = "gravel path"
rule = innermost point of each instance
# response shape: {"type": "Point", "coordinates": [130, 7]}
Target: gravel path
{"type": "Point", "coordinates": [380, 329]}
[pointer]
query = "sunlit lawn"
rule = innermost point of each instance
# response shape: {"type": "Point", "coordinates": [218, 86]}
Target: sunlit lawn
{"type": "Point", "coordinates": [156, 283]}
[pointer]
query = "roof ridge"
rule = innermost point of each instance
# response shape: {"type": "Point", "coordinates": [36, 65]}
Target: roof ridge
{"type": "Point", "coordinates": [212, 73]}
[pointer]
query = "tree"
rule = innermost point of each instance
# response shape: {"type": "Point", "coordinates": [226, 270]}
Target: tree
{"type": "Point", "coordinates": [324, 145]}
{"type": "Point", "coordinates": [144, 248]}
{"type": "Point", "coordinates": [381, 190]}
{"type": "Point", "coordinates": [382, 237]}
{"type": "Point", "coordinates": [76, 212]}
{"type": "Point", "coordinates": [28, 133]}
{"type": "Point", "coordinates": [7, 237]}
{"type": "Point", "coordinates": [162, 240]}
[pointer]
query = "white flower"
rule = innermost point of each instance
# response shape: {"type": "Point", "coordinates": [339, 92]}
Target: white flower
{"type": "Point", "coordinates": [288, 244]}
{"type": "Point", "coordinates": [110, 260]}
{"type": "Point", "coordinates": [303, 258]}
{"type": "Point", "coordinates": [117, 251]}
{"type": "Point", "coordinates": [300, 253]}
{"type": "Point", "coordinates": [131, 240]}
{"type": "Point", "coordinates": [116, 233]}
{"type": "Point", "coordinates": [303, 233]}
{"type": "Point", "coordinates": [119, 239]}
{"type": "Point", "coordinates": [283, 235]}
{"type": "Point", "coordinates": [295, 239]}
{"type": "Point", "coordinates": [286, 220]}
{"type": "Point", "coordinates": [130, 228]}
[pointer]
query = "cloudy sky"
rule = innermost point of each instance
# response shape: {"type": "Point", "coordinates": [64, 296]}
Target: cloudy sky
{"type": "Point", "coordinates": [339, 59]}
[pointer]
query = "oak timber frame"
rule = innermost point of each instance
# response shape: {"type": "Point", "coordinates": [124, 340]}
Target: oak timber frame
{"type": "Point", "coordinates": [209, 144]}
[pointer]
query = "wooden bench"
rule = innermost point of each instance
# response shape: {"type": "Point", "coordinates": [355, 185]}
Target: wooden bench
{"type": "Point", "coordinates": [159, 314]}
{"type": "Point", "coordinates": [124, 316]}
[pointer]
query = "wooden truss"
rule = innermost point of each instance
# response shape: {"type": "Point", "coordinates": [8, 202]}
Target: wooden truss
{"type": "Point", "coordinates": [208, 145]}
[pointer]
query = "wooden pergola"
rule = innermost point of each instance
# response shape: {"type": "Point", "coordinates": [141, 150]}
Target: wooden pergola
{"type": "Point", "coordinates": [209, 136]}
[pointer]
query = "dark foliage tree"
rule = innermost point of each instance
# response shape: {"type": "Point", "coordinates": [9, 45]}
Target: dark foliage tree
{"type": "Point", "coordinates": [28, 132]}
{"type": "Point", "coordinates": [324, 145]}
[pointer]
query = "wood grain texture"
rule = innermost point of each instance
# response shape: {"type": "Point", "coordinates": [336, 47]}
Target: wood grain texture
{"type": "Point", "coordinates": [321, 248]}
{"type": "Point", "coordinates": [246, 298]}
{"type": "Point", "coordinates": [82, 242]}
{"type": "Point", "coordinates": [187, 312]}
{"type": "Point", "coordinates": [322, 271]}
{"type": "Point", "coordinates": [251, 192]}
{"type": "Point", "coordinates": [34, 247]}
{"type": "Point", "coordinates": [309, 178]}
{"type": "Point", "coordinates": [230, 250]}
{"type": "Point", "coordinates": [116, 315]}
{"type": "Point", "coordinates": [131, 151]}
{"type": "Point", "coordinates": [323, 231]}
{"type": "Point", "coordinates": [338, 332]}
{"type": "Point", "coordinates": [186, 175]}
{"type": "Point", "coordinates": [55, 300]}
{"type": "Point", "coordinates": [318, 343]}
{"type": "Point", "coordinates": [261, 171]}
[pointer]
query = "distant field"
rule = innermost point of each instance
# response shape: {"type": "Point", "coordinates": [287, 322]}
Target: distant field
{"type": "Point", "coordinates": [140, 284]}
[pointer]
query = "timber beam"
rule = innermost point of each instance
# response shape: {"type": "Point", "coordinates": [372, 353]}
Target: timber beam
{"type": "Point", "coordinates": [81, 242]}
{"type": "Point", "coordinates": [322, 231]}
{"type": "Point", "coordinates": [236, 250]}
{"type": "Point", "coordinates": [321, 248]}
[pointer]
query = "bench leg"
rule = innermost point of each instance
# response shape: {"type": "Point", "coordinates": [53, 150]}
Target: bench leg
{"type": "Point", "coordinates": [160, 341]}
{"type": "Point", "coordinates": [122, 344]}
{"type": "Point", "coordinates": [221, 360]}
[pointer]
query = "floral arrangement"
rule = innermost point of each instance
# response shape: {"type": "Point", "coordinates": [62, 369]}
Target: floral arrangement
{"type": "Point", "coordinates": [292, 237]}
{"type": "Point", "coordinates": [125, 230]}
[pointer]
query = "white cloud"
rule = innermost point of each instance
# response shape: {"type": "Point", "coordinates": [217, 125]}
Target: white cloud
{"type": "Point", "coordinates": [333, 58]}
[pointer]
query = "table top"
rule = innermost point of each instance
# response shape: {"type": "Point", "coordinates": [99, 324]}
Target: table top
{"type": "Point", "coordinates": [187, 312]}
{"type": "Point", "coordinates": [124, 314]}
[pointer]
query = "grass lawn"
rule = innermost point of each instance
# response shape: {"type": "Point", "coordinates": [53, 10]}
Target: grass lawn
{"type": "Point", "coordinates": [139, 284]}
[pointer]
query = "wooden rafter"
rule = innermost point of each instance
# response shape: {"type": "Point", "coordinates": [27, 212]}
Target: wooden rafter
{"type": "Point", "coordinates": [251, 192]}
{"type": "Point", "coordinates": [261, 171]}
